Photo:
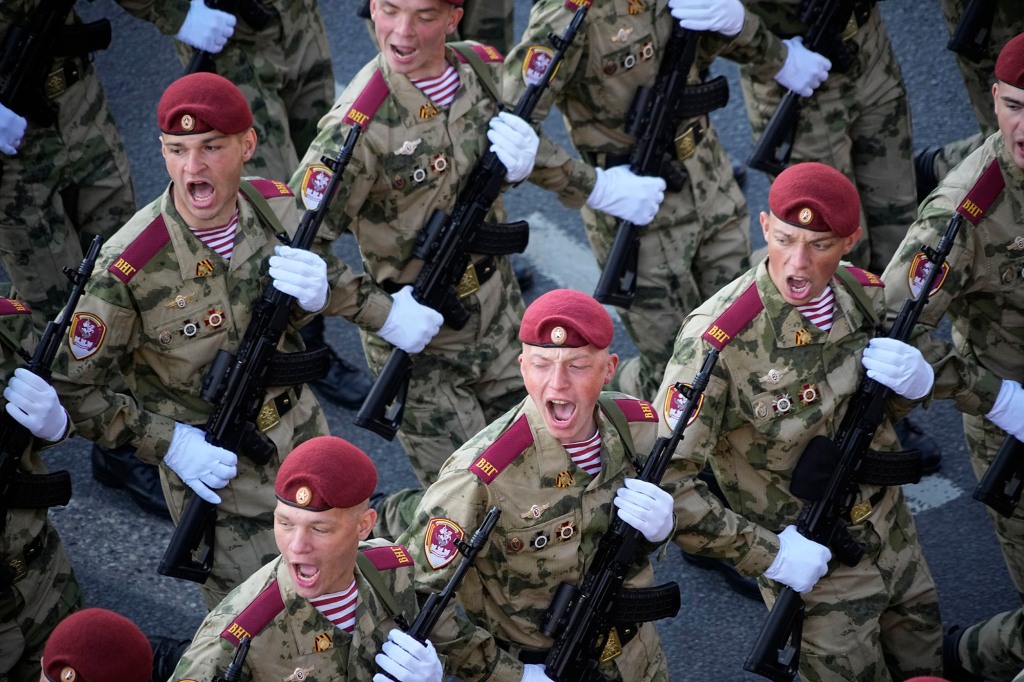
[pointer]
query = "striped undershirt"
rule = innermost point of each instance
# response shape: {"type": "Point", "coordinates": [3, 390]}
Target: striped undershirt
{"type": "Point", "coordinates": [440, 90]}
{"type": "Point", "coordinates": [220, 239]}
{"type": "Point", "coordinates": [339, 607]}
{"type": "Point", "coordinates": [587, 454]}
{"type": "Point", "coordinates": [819, 311]}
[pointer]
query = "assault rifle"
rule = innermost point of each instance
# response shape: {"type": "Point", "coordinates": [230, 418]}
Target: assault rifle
{"type": "Point", "coordinates": [445, 244]}
{"type": "Point", "coordinates": [776, 651]}
{"type": "Point", "coordinates": [236, 385]}
{"type": "Point", "coordinates": [30, 490]}
{"type": "Point", "coordinates": [233, 673]}
{"type": "Point", "coordinates": [252, 12]}
{"type": "Point", "coordinates": [436, 603]}
{"type": "Point", "coordinates": [826, 20]}
{"type": "Point", "coordinates": [585, 620]}
{"type": "Point", "coordinates": [1001, 486]}
{"type": "Point", "coordinates": [972, 34]}
{"type": "Point", "coordinates": [653, 119]}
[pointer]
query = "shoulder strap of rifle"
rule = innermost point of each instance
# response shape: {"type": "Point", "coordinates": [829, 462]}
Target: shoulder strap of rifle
{"type": "Point", "coordinates": [260, 205]}
{"type": "Point", "coordinates": [477, 57]}
{"type": "Point", "coordinates": [371, 575]}
{"type": "Point", "coordinates": [854, 279]}
{"type": "Point", "coordinates": [618, 418]}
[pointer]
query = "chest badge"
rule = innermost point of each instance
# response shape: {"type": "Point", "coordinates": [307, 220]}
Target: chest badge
{"type": "Point", "coordinates": [181, 300]}
{"type": "Point", "coordinates": [622, 35]}
{"type": "Point", "coordinates": [636, 6]}
{"type": "Point", "coordinates": [299, 675]}
{"type": "Point", "coordinates": [774, 376]}
{"type": "Point", "coordinates": [204, 268]}
{"type": "Point", "coordinates": [214, 318]}
{"type": "Point", "coordinates": [563, 480]}
{"type": "Point", "coordinates": [189, 328]}
{"type": "Point", "coordinates": [534, 511]}
{"type": "Point", "coordinates": [760, 410]}
{"type": "Point", "coordinates": [802, 337]}
{"type": "Point", "coordinates": [540, 540]}
{"type": "Point", "coordinates": [782, 403]}
{"type": "Point", "coordinates": [428, 111]}
{"type": "Point", "coordinates": [408, 147]}
{"type": "Point", "coordinates": [808, 394]}
{"type": "Point", "coordinates": [322, 642]}
{"type": "Point", "coordinates": [566, 531]}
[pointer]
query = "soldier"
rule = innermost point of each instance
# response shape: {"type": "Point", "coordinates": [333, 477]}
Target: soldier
{"type": "Point", "coordinates": [982, 294]}
{"type": "Point", "coordinates": [96, 645]}
{"type": "Point", "coordinates": [433, 111]}
{"type": "Point", "coordinates": [554, 464]}
{"type": "Point", "coordinates": [793, 333]}
{"type": "Point", "coordinates": [330, 600]}
{"type": "Point", "coordinates": [174, 286]}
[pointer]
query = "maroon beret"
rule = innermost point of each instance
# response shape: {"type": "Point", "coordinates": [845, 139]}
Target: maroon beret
{"type": "Point", "coordinates": [324, 473]}
{"type": "Point", "coordinates": [96, 645]}
{"type": "Point", "coordinates": [566, 318]}
{"type": "Point", "coordinates": [1010, 63]}
{"type": "Point", "coordinates": [201, 102]}
{"type": "Point", "coordinates": [815, 197]}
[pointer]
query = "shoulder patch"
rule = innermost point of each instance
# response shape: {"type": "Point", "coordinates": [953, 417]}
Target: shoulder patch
{"type": "Point", "coordinates": [85, 334]}
{"type": "Point", "coordinates": [141, 251]}
{"type": "Point", "coordinates": [735, 318]}
{"type": "Point", "coordinates": [676, 404]}
{"type": "Point", "coordinates": [12, 306]}
{"type": "Point", "coordinates": [866, 279]}
{"type": "Point", "coordinates": [388, 557]}
{"type": "Point", "coordinates": [503, 451]}
{"type": "Point", "coordinates": [440, 542]}
{"type": "Point", "coordinates": [256, 616]}
{"type": "Point", "coordinates": [271, 188]}
{"type": "Point", "coordinates": [637, 410]}
{"type": "Point", "coordinates": [368, 101]}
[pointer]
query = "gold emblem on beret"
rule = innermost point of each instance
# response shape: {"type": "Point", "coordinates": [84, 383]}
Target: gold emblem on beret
{"type": "Point", "coordinates": [806, 216]}
{"type": "Point", "coordinates": [303, 496]}
{"type": "Point", "coordinates": [187, 122]}
{"type": "Point", "coordinates": [558, 336]}
{"type": "Point", "coordinates": [68, 674]}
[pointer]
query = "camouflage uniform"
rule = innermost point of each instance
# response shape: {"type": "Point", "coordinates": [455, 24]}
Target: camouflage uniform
{"type": "Point", "coordinates": [47, 590]}
{"type": "Point", "coordinates": [858, 122]}
{"type": "Point", "coordinates": [301, 638]}
{"type": "Point", "coordinates": [700, 238]}
{"type": "Point", "coordinates": [404, 167]}
{"type": "Point", "coordinates": [779, 382]}
{"type": "Point", "coordinates": [68, 182]}
{"type": "Point", "coordinates": [163, 304]}
{"type": "Point", "coordinates": [284, 71]}
{"type": "Point", "coordinates": [983, 297]}
{"type": "Point", "coordinates": [541, 494]}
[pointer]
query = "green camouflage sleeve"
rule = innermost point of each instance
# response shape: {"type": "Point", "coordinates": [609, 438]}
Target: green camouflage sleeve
{"type": "Point", "coordinates": [765, 53]}
{"type": "Point", "coordinates": [166, 15]}
{"type": "Point", "coordinates": [755, 45]}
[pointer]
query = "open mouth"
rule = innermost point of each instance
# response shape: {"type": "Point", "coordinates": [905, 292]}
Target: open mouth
{"type": "Point", "coordinates": [201, 192]}
{"type": "Point", "coordinates": [305, 575]}
{"type": "Point", "coordinates": [798, 286]}
{"type": "Point", "coordinates": [403, 53]}
{"type": "Point", "coordinates": [561, 411]}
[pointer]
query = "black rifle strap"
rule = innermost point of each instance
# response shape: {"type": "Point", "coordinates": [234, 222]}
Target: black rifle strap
{"type": "Point", "coordinates": [618, 419]}
{"type": "Point", "coordinates": [262, 208]}
{"type": "Point", "coordinates": [479, 68]}
{"type": "Point", "coordinates": [371, 575]}
{"type": "Point", "coordinates": [859, 296]}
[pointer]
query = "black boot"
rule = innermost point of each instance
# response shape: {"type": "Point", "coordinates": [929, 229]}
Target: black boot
{"type": "Point", "coordinates": [951, 666]}
{"type": "Point", "coordinates": [345, 384]}
{"type": "Point", "coordinates": [166, 654]}
{"type": "Point", "coordinates": [120, 468]}
{"type": "Point", "coordinates": [912, 437]}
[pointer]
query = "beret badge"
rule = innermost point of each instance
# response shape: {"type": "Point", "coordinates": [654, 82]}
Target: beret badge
{"type": "Point", "coordinates": [68, 674]}
{"type": "Point", "coordinates": [187, 122]}
{"type": "Point", "coordinates": [806, 216]}
{"type": "Point", "coordinates": [558, 336]}
{"type": "Point", "coordinates": [303, 496]}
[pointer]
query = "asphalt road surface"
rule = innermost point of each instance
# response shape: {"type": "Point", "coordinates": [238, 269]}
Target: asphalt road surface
{"type": "Point", "coordinates": [115, 548]}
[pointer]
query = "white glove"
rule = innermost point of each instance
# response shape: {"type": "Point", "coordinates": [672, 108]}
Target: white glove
{"type": "Point", "coordinates": [301, 274]}
{"type": "Point", "coordinates": [406, 660]}
{"type": "Point", "coordinates": [620, 193]}
{"type": "Point", "coordinates": [804, 70]}
{"type": "Point", "coordinates": [800, 562]}
{"type": "Point", "coordinates": [410, 324]}
{"type": "Point", "coordinates": [34, 404]}
{"type": "Point", "coordinates": [206, 29]}
{"type": "Point", "coordinates": [898, 366]}
{"type": "Point", "coordinates": [199, 464]}
{"type": "Point", "coordinates": [720, 16]}
{"type": "Point", "coordinates": [645, 507]}
{"type": "Point", "coordinates": [534, 672]}
{"type": "Point", "coordinates": [12, 129]}
{"type": "Point", "coordinates": [515, 143]}
{"type": "Point", "coordinates": [1008, 411]}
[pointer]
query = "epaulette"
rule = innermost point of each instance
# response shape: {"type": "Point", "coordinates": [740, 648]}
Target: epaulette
{"type": "Point", "coordinates": [503, 451]}
{"type": "Point", "coordinates": [271, 188]}
{"type": "Point", "coordinates": [735, 318]}
{"type": "Point", "coordinates": [984, 192]}
{"type": "Point", "coordinates": [487, 53]}
{"type": "Point", "coordinates": [865, 278]}
{"type": "Point", "coordinates": [12, 306]}
{"type": "Point", "coordinates": [573, 5]}
{"type": "Point", "coordinates": [256, 616]}
{"type": "Point", "coordinates": [637, 410]}
{"type": "Point", "coordinates": [141, 251]}
{"type": "Point", "coordinates": [388, 557]}
{"type": "Point", "coordinates": [368, 102]}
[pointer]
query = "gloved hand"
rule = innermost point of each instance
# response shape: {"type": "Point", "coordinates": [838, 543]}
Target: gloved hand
{"type": "Point", "coordinates": [34, 404]}
{"type": "Point", "coordinates": [800, 562]}
{"type": "Point", "coordinates": [199, 464]}
{"type": "Point", "coordinates": [410, 324]}
{"type": "Point", "coordinates": [620, 193]}
{"type": "Point", "coordinates": [803, 70]}
{"type": "Point", "coordinates": [12, 129]}
{"type": "Point", "coordinates": [534, 672]}
{"type": "Point", "coordinates": [407, 660]}
{"type": "Point", "coordinates": [206, 29]}
{"type": "Point", "coordinates": [646, 507]}
{"type": "Point", "coordinates": [515, 143]}
{"type": "Point", "coordinates": [898, 366]}
{"type": "Point", "coordinates": [301, 274]}
{"type": "Point", "coordinates": [720, 16]}
{"type": "Point", "coordinates": [1008, 411]}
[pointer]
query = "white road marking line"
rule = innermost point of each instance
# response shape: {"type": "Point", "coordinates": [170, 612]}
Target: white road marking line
{"type": "Point", "coordinates": [931, 492]}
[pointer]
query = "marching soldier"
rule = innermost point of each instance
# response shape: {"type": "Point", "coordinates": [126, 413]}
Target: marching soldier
{"type": "Point", "coordinates": [96, 645]}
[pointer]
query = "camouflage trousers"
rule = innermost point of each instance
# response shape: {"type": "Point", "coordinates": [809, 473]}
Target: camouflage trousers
{"type": "Point", "coordinates": [699, 241]}
{"type": "Point", "coordinates": [286, 75]}
{"type": "Point", "coordinates": [32, 608]}
{"type": "Point", "coordinates": [877, 621]}
{"type": "Point", "coordinates": [464, 379]}
{"type": "Point", "coordinates": [68, 183]}
{"type": "Point", "coordinates": [994, 648]}
{"type": "Point", "coordinates": [244, 531]}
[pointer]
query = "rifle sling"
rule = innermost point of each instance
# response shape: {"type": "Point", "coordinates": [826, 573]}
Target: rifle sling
{"type": "Point", "coordinates": [371, 575]}
{"type": "Point", "coordinates": [485, 74]}
{"type": "Point", "coordinates": [262, 208]}
{"type": "Point", "coordinates": [621, 424]}
{"type": "Point", "coordinates": [859, 297]}
{"type": "Point", "coordinates": [37, 491]}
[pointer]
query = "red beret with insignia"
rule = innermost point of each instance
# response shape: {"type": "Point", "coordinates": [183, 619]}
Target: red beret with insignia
{"type": "Point", "coordinates": [324, 473]}
{"type": "Point", "coordinates": [815, 197]}
{"type": "Point", "coordinates": [568, 319]}
{"type": "Point", "coordinates": [201, 102]}
{"type": "Point", "coordinates": [96, 645]}
{"type": "Point", "coordinates": [1010, 63]}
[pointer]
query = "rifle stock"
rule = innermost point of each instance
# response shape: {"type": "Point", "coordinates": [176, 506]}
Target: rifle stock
{"type": "Point", "coordinates": [1000, 488]}
{"type": "Point", "coordinates": [236, 385]}
{"type": "Point", "coordinates": [971, 36]}
{"type": "Point", "coordinates": [443, 245]}
{"type": "Point", "coordinates": [773, 150]}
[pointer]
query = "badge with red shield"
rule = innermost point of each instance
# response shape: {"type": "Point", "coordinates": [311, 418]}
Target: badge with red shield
{"type": "Point", "coordinates": [86, 334]}
{"type": "Point", "coordinates": [439, 542]}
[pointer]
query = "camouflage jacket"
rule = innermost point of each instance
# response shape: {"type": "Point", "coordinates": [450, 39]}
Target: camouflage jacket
{"type": "Point", "coordinates": [553, 517]}
{"type": "Point", "coordinates": [169, 15]}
